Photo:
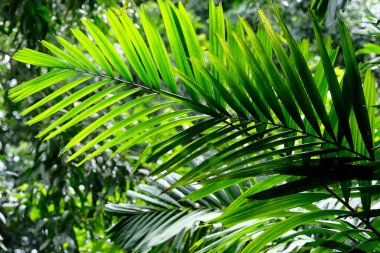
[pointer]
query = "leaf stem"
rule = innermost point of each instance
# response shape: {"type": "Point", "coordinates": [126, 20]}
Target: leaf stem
{"type": "Point", "coordinates": [179, 97]}
{"type": "Point", "coordinates": [312, 135]}
{"type": "Point", "coordinates": [352, 210]}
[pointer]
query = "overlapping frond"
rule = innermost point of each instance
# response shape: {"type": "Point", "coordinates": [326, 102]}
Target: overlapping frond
{"type": "Point", "coordinates": [154, 220]}
{"type": "Point", "coordinates": [164, 221]}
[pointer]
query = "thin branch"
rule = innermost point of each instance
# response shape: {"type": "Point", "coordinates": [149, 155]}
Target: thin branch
{"type": "Point", "coordinates": [352, 210]}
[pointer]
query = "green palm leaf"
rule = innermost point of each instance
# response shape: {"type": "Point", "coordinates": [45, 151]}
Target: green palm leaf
{"type": "Point", "coordinates": [250, 110]}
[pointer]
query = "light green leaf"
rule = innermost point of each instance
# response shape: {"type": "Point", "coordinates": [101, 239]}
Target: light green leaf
{"type": "Point", "coordinates": [93, 51]}
{"type": "Point", "coordinates": [108, 49]}
{"type": "Point", "coordinates": [29, 56]}
{"type": "Point", "coordinates": [116, 128]}
{"type": "Point", "coordinates": [158, 50]}
{"type": "Point", "coordinates": [56, 93]}
{"type": "Point", "coordinates": [280, 228]}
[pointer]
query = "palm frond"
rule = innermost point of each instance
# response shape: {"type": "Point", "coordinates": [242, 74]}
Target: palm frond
{"type": "Point", "coordinates": [252, 107]}
{"type": "Point", "coordinates": [247, 105]}
{"type": "Point", "coordinates": [153, 219]}
{"type": "Point", "coordinates": [165, 218]}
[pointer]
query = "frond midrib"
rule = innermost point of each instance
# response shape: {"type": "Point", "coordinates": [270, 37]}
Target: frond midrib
{"type": "Point", "coordinates": [226, 118]}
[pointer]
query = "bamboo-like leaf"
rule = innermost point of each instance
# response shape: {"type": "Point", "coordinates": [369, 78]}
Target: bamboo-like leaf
{"type": "Point", "coordinates": [302, 45]}
{"type": "Point", "coordinates": [280, 228]}
{"type": "Point", "coordinates": [136, 129]}
{"type": "Point", "coordinates": [346, 191]}
{"type": "Point", "coordinates": [231, 235]}
{"type": "Point", "coordinates": [365, 196]}
{"type": "Point", "coordinates": [297, 186]}
{"type": "Point", "coordinates": [32, 82]}
{"type": "Point", "coordinates": [154, 192]}
{"type": "Point", "coordinates": [274, 76]}
{"type": "Point", "coordinates": [230, 100]}
{"type": "Point", "coordinates": [92, 110]}
{"type": "Point", "coordinates": [332, 81]}
{"type": "Point", "coordinates": [189, 103]}
{"type": "Point", "coordinates": [142, 50]}
{"type": "Point", "coordinates": [174, 228]}
{"type": "Point", "coordinates": [22, 94]}
{"type": "Point", "coordinates": [123, 209]}
{"type": "Point", "coordinates": [235, 27]}
{"type": "Point", "coordinates": [200, 146]}
{"type": "Point", "coordinates": [29, 56]}
{"type": "Point", "coordinates": [93, 51]}
{"type": "Point", "coordinates": [296, 87]}
{"type": "Point", "coordinates": [369, 48]}
{"type": "Point", "coordinates": [234, 86]}
{"type": "Point", "coordinates": [108, 49]}
{"type": "Point", "coordinates": [142, 228]}
{"type": "Point", "coordinates": [128, 48]}
{"type": "Point", "coordinates": [116, 128]}
{"type": "Point", "coordinates": [75, 97]}
{"type": "Point", "coordinates": [147, 199]}
{"type": "Point", "coordinates": [245, 80]}
{"type": "Point", "coordinates": [369, 245]}
{"type": "Point", "coordinates": [230, 154]}
{"type": "Point", "coordinates": [264, 40]}
{"type": "Point", "coordinates": [192, 44]}
{"type": "Point", "coordinates": [307, 78]}
{"type": "Point", "coordinates": [321, 82]}
{"type": "Point", "coordinates": [365, 214]}
{"type": "Point", "coordinates": [371, 189]}
{"type": "Point", "coordinates": [158, 50]}
{"type": "Point", "coordinates": [209, 99]}
{"type": "Point", "coordinates": [62, 55]}
{"type": "Point", "coordinates": [16, 91]}
{"type": "Point", "coordinates": [276, 166]}
{"type": "Point", "coordinates": [157, 130]}
{"type": "Point", "coordinates": [369, 87]}
{"type": "Point", "coordinates": [235, 170]}
{"type": "Point", "coordinates": [107, 117]}
{"type": "Point", "coordinates": [269, 155]}
{"type": "Point", "coordinates": [355, 87]}
{"type": "Point", "coordinates": [178, 47]}
{"type": "Point", "coordinates": [265, 208]}
{"type": "Point", "coordinates": [211, 188]}
{"type": "Point", "coordinates": [216, 26]}
{"type": "Point", "coordinates": [258, 187]}
{"type": "Point", "coordinates": [259, 77]}
{"type": "Point", "coordinates": [164, 146]}
{"type": "Point", "coordinates": [56, 93]}
{"type": "Point", "coordinates": [78, 55]}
